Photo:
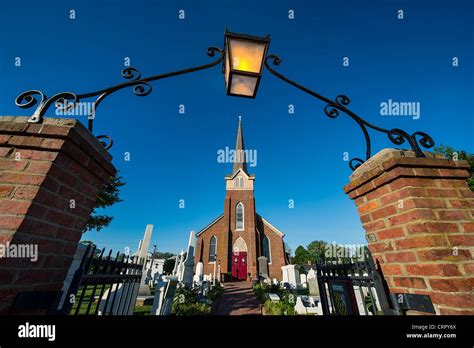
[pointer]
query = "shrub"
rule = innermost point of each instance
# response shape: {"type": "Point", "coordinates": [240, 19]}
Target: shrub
{"type": "Point", "coordinates": [261, 291]}
{"type": "Point", "coordinates": [192, 309]}
{"type": "Point", "coordinates": [214, 293]}
{"type": "Point", "coordinates": [278, 308]}
{"type": "Point", "coordinates": [185, 302]}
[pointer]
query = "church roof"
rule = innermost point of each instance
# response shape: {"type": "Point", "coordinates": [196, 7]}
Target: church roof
{"type": "Point", "coordinates": [276, 230]}
{"type": "Point", "coordinates": [240, 160]}
{"type": "Point", "coordinates": [212, 223]}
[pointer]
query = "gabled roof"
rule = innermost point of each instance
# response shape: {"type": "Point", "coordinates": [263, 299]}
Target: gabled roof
{"type": "Point", "coordinates": [240, 170]}
{"type": "Point", "coordinates": [276, 230]}
{"type": "Point", "coordinates": [208, 226]}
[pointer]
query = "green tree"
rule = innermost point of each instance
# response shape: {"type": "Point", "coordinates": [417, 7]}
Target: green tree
{"type": "Point", "coordinates": [163, 255]}
{"type": "Point", "coordinates": [168, 266]}
{"type": "Point", "coordinates": [316, 250]}
{"type": "Point", "coordinates": [302, 256]}
{"type": "Point", "coordinates": [108, 195]}
{"type": "Point", "coordinates": [456, 155]}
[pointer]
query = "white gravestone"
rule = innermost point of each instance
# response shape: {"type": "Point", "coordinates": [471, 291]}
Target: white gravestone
{"type": "Point", "coordinates": [291, 275]}
{"type": "Point", "coordinates": [176, 263]}
{"type": "Point", "coordinates": [180, 266]}
{"type": "Point", "coordinates": [76, 262]}
{"type": "Point", "coordinates": [311, 274]}
{"type": "Point", "coordinates": [306, 305]}
{"type": "Point", "coordinates": [274, 297]}
{"type": "Point", "coordinates": [303, 281]}
{"type": "Point", "coordinates": [312, 283]}
{"type": "Point", "coordinates": [188, 269]}
{"type": "Point", "coordinates": [164, 295]}
{"type": "Point", "coordinates": [144, 289]}
{"type": "Point", "coordinates": [198, 277]}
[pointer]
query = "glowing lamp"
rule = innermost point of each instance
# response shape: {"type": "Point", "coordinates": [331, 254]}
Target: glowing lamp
{"type": "Point", "coordinates": [243, 65]}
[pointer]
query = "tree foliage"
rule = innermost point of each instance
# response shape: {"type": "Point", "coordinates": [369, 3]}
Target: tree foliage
{"type": "Point", "coordinates": [457, 155]}
{"type": "Point", "coordinates": [313, 252]}
{"type": "Point", "coordinates": [168, 266]}
{"type": "Point", "coordinates": [108, 196]}
{"type": "Point", "coordinates": [302, 256]}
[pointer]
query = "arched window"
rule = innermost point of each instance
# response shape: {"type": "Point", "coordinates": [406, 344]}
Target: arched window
{"type": "Point", "coordinates": [266, 249]}
{"type": "Point", "coordinates": [212, 249]}
{"type": "Point", "coordinates": [239, 182]}
{"type": "Point", "coordinates": [239, 216]}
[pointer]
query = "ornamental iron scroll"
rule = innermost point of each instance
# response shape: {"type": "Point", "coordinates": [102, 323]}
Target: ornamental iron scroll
{"type": "Point", "coordinates": [68, 101]}
{"type": "Point", "coordinates": [339, 104]}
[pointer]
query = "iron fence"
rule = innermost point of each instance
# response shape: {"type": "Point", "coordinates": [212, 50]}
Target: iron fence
{"type": "Point", "coordinates": [349, 286]}
{"type": "Point", "coordinates": [103, 285]}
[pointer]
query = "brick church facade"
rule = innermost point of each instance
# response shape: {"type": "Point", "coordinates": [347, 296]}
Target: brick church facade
{"type": "Point", "coordinates": [239, 236]}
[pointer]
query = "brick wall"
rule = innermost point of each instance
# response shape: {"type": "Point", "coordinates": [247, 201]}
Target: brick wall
{"type": "Point", "coordinates": [418, 217]}
{"type": "Point", "coordinates": [50, 175]}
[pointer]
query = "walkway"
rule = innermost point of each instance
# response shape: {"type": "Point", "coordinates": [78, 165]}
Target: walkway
{"type": "Point", "coordinates": [238, 299]}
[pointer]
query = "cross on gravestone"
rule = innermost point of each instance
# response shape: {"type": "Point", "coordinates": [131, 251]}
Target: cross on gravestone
{"type": "Point", "coordinates": [164, 295]}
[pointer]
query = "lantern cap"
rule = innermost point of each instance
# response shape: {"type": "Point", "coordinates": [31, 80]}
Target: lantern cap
{"type": "Point", "coordinates": [228, 33]}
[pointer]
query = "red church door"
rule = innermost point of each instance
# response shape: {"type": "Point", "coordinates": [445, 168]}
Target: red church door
{"type": "Point", "coordinates": [239, 265]}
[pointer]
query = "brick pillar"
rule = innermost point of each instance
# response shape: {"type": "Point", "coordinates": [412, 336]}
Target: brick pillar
{"type": "Point", "coordinates": [418, 217]}
{"type": "Point", "coordinates": [50, 175]}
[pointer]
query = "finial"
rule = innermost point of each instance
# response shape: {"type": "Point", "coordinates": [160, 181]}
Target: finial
{"type": "Point", "coordinates": [240, 118]}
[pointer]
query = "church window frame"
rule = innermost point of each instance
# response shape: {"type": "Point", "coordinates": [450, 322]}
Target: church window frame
{"type": "Point", "coordinates": [239, 216]}
{"type": "Point", "coordinates": [212, 250]}
{"type": "Point", "coordinates": [267, 249]}
{"type": "Point", "coordinates": [239, 182]}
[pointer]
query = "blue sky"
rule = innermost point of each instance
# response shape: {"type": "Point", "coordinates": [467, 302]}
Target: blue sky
{"type": "Point", "coordinates": [300, 156]}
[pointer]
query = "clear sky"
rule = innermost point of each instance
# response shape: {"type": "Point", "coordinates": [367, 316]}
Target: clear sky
{"type": "Point", "coordinates": [300, 156]}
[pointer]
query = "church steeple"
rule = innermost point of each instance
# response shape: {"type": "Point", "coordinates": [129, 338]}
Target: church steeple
{"type": "Point", "coordinates": [240, 160]}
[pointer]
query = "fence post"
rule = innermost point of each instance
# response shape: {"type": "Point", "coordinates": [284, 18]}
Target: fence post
{"type": "Point", "coordinates": [51, 174]}
{"type": "Point", "coordinates": [417, 214]}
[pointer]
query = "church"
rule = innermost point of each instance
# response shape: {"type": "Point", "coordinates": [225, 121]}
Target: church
{"type": "Point", "coordinates": [240, 235]}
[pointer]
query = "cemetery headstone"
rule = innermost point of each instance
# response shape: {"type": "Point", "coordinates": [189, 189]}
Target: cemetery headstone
{"type": "Point", "coordinates": [188, 269]}
{"type": "Point", "coordinates": [176, 264]}
{"type": "Point", "coordinates": [306, 305]}
{"type": "Point", "coordinates": [76, 262]}
{"type": "Point", "coordinates": [291, 275]}
{"type": "Point", "coordinates": [180, 266]}
{"type": "Point", "coordinates": [263, 267]}
{"type": "Point", "coordinates": [142, 253]}
{"type": "Point", "coordinates": [198, 277]}
{"type": "Point", "coordinates": [303, 279]}
{"type": "Point", "coordinates": [313, 287]}
{"type": "Point", "coordinates": [274, 297]}
{"type": "Point", "coordinates": [164, 296]}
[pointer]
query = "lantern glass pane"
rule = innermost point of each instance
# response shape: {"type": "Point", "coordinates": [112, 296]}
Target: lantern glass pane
{"type": "Point", "coordinates": [226, 71]}
{"type": "Point", "coordinates": [246, 55]}
{"type": "Point", "coordinates": [243, 85]}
